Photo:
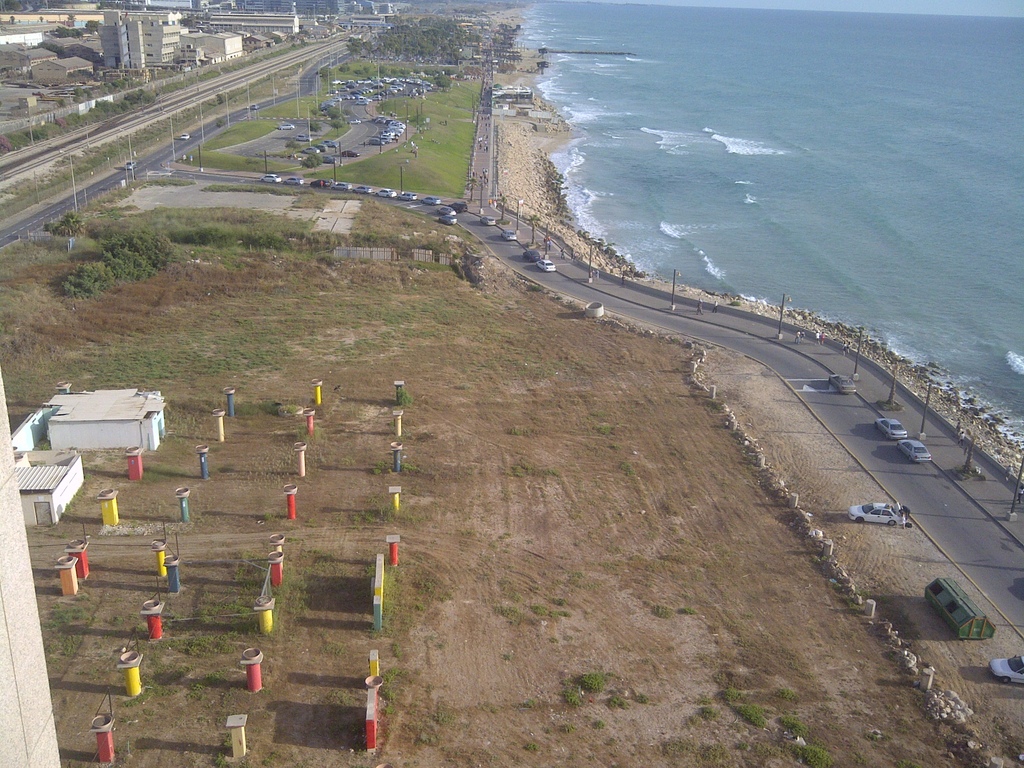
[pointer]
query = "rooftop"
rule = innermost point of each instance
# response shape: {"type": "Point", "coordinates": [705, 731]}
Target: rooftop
{"type": "Point", "coordinates": [106, 405]}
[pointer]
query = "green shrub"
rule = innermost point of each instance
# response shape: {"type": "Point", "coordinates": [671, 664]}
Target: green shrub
{"type": "Point", "coordinates": [786, 694]}
{"type": "Point", "coordinates": [753, 714]}
{"type": "Point", "coordinates": [594, 682]}
{"type": "Point", "coordinates": [814, 756]}
{"type": "Point", "coordinates": [731, 695]}
{"type": "Point", "coordinates": [571, 694]}
{"type": "Point", "coordinates": [792, 724]}
{"type": "Point", "coordinates": [662, 611]}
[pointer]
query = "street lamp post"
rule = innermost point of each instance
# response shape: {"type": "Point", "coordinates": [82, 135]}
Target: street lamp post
{"type": "Point", "coordinates": [856, 360]}
{"type": "Point", "coordinates": [782, 311]}
{"type": "Point", "coordinates": [927, 399]}
{"type": "Point", "coordinates": [74, 189]}
{"type": "Point", "coordinates": [401, 177]}
{"type": "Point", "coordinates": [674, 273]}
{"type": "Point", "coordinates": [1016, 492]}
{"type": "Point", "coordinates": [519, 210]}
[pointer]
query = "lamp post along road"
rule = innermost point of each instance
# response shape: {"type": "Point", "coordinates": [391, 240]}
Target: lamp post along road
{"type": "Point", "coordinates": [674, 273]}
{"type": "Point", "coordinates": [782, 311]}
{"type": "Point", "coordinates": [924, 415]}
{"type": "Point", "coordinates": [856, 360]}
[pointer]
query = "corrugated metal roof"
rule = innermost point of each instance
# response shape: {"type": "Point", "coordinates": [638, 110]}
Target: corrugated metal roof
{"type": "Point", "coordinates": [106, 405]}
{"type": "Point", "coordinates": [41, 478]}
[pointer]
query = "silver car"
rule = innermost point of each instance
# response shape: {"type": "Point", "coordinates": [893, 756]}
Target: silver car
{"type": "Point", "coordinates": [891, 428]}
{"type": "Point", "coordinates": [878, 512]}
{"type": "Point", "coordinates": [914, 450]}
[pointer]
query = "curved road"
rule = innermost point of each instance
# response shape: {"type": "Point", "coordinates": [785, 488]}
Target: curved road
{"type": "Point", "coordinates": [967, 522]}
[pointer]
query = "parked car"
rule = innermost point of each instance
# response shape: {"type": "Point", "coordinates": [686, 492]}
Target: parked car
{"type": "Point", "coordinates": [354, 121]}
{"type": "Point", "coordinates": [877, 512]}
{"type": "Point", "coordinates": [321, 183]}
{"type": "Point", "coordinates": [295, 181]}
{"type": "Point", "coordinates": [286, 127]}
{"type": "Point", "coordinates": [311, 151]}
{"type": "Point", "coordinates": [364, 190]}
{"type": "Point", "coordinates": [891, 428]}
{"type": "Point", "coordinates": [488, 221]}
{"type": "Point", "coordinates": [842, 384]}
{"type": "Point", "coordinates": [1009, 670]}
{"type": "Point", "coordinates": [458, 206]}
{"type": "Point", "coordinates": [509, 234]}
{"type": "Point", "coordinates": [344, 186]}
{"type": "Point", "coordinates": [546, 266]}
{"type": "Point", "coordinates": [448, 218]}
{"type": "Point", "coordinates": [431, 200]}
{"type": "Point", "coordinates": [349, 153]}
{"type": "Point", "coordinates": [271, 178]}
{"type": "Point", "coordinates": [385, 192]}
{"type": "Point", "coordinates": [331, 159]}
{"type": "Point", "coordinates": [914, 450]}
{"type": "Point", "coordinates": [444, 210]}
{"type": "Point", "coordinates": [376, 141]}
{"type": "Point", "coordinates": [322, 147]}
{"type": "Point", "coordinates": [408, 196]}
{"type": "Point", "coordinates": [330, 143]}
{"type": "Point", "coordinates": [254, 107]}
{"type": "Point", "coordinates": [532, 256]}
{"type": "Point", "coordinates": [303, 137]}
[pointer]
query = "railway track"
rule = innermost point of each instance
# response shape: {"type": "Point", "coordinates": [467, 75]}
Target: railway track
{"type": "Point", "coordinates": [15, 166]}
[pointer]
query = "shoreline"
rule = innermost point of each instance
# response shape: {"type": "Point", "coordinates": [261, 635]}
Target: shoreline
{"type": "Point", "coordinates": [526, 171]}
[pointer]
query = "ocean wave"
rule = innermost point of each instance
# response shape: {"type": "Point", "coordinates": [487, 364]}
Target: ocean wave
{"type": "Point", "coordinates": [709, 266]}
{"type": "Point", "coordinates": [683, 231]}
{"type": "Point", "coordinates": [672, 142]}
{"type": "Point", "coordinates": [743, 182]}
{"type": "Point", "coordinates": [1016, 362]}
{"type": "Point", "coordinates": [750, 199]}
{"type": "Point", "coordinates": [745, 146]}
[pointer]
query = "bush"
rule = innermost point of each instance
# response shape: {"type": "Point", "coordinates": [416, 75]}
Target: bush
{"type": "Point", "coordinates": [594, 682]}
{"type": "Point", "coordinates": [126, 257]}
{"type": "Point", "coordinates": [793, 724]}
{"type": "Point", "coordinates": [87, 281]}
{"type": "Point", "coordinates": [814, 756]}
{"type": "Point", "coordinates": [753, 714]}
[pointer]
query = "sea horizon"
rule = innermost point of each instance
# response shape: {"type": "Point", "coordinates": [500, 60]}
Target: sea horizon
{"type": "Point", "coordinates": [860, 163]}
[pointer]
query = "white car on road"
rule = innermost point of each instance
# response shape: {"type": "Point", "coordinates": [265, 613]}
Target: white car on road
{"type": "Point", "coordinates": [891, 428]}
{"type": "Point", "coordinates": [878, 512]}
{"type": "Point", "coordinates": [271, 178]}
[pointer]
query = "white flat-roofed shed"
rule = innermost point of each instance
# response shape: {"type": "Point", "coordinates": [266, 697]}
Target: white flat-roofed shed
{"type": "Point", "coordinates": [109, 418]}
{"type": "Point", "coordinates": [47, 488]}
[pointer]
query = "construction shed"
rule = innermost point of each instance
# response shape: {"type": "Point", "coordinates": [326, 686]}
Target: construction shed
{"type": "Point", "coordinates": [107, 418]}
{"type": "Point", "coordinates": [48, 481]}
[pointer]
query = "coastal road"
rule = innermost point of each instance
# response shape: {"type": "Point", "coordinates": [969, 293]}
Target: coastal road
{"type": "Point", "coordinates": [967, 521]}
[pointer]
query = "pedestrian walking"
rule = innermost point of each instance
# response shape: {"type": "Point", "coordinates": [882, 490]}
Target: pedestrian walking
{"type": "Point", "coordinates": [714, 310]}
{"type": "Point", "coordinates": [1020, 494]}
{"type": "Point", "coordinates": [700, 307]}
{"type": "Point", "coordinates": [961, 436]}
{"type": "Point", "coordinates": [846, 349]}
{"type": "Point", "coordinates": [796, 337]}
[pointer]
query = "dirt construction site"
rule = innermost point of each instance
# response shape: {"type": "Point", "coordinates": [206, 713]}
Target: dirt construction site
{"type": "Point", "coordinates": [593, 569]}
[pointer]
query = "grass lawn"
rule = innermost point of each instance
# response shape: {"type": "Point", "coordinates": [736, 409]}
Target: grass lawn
{"type": "Point", "coordinates": [239, 133]}
{"type": "Point", "coordinates": [443, 138]}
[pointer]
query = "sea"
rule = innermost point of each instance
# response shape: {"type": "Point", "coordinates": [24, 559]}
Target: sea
{"type": "Point", "coordinates": [870, 166]}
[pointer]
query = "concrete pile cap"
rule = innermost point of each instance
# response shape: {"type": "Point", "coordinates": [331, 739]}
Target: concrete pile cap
{"type": "Point", "coordinates": [236, 721]}
{"type": "Point", "coordinates": [102, 724]}
{"type": "Point", "coordinates": [251, 656]}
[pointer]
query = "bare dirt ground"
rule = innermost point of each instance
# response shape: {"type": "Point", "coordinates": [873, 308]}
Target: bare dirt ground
{"type": "Point", "coordinates": [571, 506]}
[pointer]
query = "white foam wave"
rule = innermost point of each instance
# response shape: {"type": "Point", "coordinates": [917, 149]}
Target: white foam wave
{"type": "Point", "coordinates": [683, 231]}
{"type": "Point", "coordinates": [672, 142]}
{"type": "Point", "coordinates": [750, 199]}
{"type": "Point", "coordinates": [709, 266]}
{"type": "Point", "coordinates": [743, 182]}
{"type": "Point", "coordinates": [745, 146]}
{"type": "Point", "coordinates": [709, 130]}
{"type": "Point", "coordinates": [1016, 362]}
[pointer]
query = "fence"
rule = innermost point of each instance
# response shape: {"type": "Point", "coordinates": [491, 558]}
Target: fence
{"type": "Point", "coordinates": [390, 254]}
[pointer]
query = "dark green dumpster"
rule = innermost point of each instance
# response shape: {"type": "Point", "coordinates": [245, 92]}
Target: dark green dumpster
{"type": "Point", "coordinates": [959, 611]}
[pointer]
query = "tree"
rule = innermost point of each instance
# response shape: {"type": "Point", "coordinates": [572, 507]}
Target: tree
{"type": "Point", "coordinates": [534, 220]}
{"type": "Point", "coordinates": [68, 225]}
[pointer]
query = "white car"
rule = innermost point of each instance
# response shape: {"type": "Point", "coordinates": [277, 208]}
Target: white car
{"type": "Point", "coordinates": [546, 266]}
{"type": "Point", "coordinates": [408, 196]}
{"type": "Point", "coordinates": [891, 428]}
{"type": "Point", "coordinates": [888, 514]}
{"type": "Point", "coordinates": [488, 221]}
{"type": "Point", "coordinates": [508, 234]}
{"type": "Point", "coordinates": [286, 127]}
{"type": "Point", "coordinates": [185, 137]}
{"type": "Point", "coordinates": [1009, 670]}
{"type": "Point", "coordinates": [344, 186]}
{"type": "Point", "coordinates": [385, 192]}
{"type": "Point", "coordinates": [364, 190]}
{"type": "Point", "coordinates": [271, 178]}
{"type": "Point", "coordinates": [295, 181]}
{"type": "Point", "coordinates": [914, 450]}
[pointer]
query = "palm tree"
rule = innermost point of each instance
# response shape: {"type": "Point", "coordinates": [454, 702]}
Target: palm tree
{"type": "Point", "coordinates": [68, 225]}
{"type": "Point", "coordinates": [534, 220]}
